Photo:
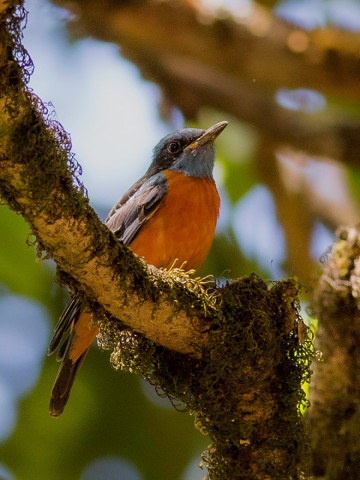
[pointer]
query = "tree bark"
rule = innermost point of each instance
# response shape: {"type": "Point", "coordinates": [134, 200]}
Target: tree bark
{"type": "Point", "coordinates": [335, 392]}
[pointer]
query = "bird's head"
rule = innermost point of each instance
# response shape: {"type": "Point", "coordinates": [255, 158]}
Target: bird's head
{"type": "Point", "coordinates": [189, 150]}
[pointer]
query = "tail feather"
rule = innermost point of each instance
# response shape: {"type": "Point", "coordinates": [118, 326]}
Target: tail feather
{"type": "Point", "coordinates": [70, 313]}
{"type": "Point", "coordinates": [63, 349]}
{"type": "Point", "coordinates": [63, 383]}
{"type": "Point", "coordinates": [76, 326]}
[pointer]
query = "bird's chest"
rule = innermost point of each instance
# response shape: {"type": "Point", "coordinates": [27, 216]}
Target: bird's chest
{"type": "Point", "coordinates": [183, 226]}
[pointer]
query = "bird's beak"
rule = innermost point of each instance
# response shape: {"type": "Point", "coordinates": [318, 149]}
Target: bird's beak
{"type": "Point", "coordinates": [208, 136]}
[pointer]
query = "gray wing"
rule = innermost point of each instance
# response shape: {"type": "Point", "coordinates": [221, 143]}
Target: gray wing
{"type": "Point", "coordinates": [125, 220]}
{"type": "Point", "coordinates": [127, 217]}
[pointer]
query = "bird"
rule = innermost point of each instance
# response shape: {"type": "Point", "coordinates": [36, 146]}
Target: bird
{"type": "Point", "coordinates": [168, 218]}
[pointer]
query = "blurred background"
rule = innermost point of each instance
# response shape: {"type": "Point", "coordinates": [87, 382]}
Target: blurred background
{"type": "Point", "coordinates": [122, 74]}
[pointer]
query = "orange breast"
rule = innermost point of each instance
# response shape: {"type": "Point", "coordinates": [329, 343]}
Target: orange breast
{"type": "Point", "coordinates": [183, 226]}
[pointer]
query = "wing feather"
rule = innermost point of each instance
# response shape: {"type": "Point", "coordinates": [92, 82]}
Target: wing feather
{"type": "Point", "coordinates": [125, 219]}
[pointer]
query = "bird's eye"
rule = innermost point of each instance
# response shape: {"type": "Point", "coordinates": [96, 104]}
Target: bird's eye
{"type": "Point", "coordinates": [174, 147]}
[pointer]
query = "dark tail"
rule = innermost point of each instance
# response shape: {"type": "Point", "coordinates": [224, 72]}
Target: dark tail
{"type": "Point", "coordinates": [77, 325]}
{"type": "Point", "coordinates": [63, 383]}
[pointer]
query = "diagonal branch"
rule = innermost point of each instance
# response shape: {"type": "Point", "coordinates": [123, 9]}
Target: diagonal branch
{"type": "Point", "coordinates": [36, 180]}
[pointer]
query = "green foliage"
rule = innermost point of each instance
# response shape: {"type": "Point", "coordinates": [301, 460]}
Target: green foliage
{"type": "Point", "coordinates": [239, 178]}
{"type": "Point", "coordinates": [354, 182]}
{"type": "Point", "coordinates": [19, 270]}
{"type": "Point", "coordinates": [108, 415]}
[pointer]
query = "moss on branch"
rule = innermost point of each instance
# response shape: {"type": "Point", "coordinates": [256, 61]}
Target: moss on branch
{"type": "Point", "coordinates": [335, 395]}
{"type": "Point", "coordinates": [245, 391]}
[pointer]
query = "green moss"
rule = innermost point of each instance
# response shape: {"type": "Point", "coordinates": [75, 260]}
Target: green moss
{"type": "Point", "coordinates": [30, 135]}
{"type": "Point", "coordinates": [335, 416]}
{"type": "Point", "coordinates": [245, 392]}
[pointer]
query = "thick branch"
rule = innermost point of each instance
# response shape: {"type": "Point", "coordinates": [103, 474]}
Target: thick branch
{"type": "Point", "coordinates": [247, 48]}
{"type": "Point", "coordinates": [291, 212]}
{"type": "Point", "coordinates": [86, 251]}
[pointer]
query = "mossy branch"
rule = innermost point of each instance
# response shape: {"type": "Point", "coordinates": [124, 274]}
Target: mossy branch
{"type": "Point", "coordinates": [245, 391]}
{"type": "Point", "coordinates": [235, 356]}
{"type": "Point", "coordinates": [335, 394]}
{"type": "Point", "coordinates": [38, 180]}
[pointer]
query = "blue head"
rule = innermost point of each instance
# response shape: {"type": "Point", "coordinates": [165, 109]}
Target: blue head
{"type": "Point", "coordinates": [189, 150]}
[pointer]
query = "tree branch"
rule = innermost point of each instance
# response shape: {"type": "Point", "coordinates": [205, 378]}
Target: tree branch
{"type": "Point", "coordinates": [291, 213]}
{"type": "Point", "coordinates": [200, 60]}
{"type": "Point", "coordinates": [335, 392]}
{"type": "Point", "coordinates": [36, 180]}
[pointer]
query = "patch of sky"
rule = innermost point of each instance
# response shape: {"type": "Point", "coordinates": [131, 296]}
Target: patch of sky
{"type": "Point", "coordinates": [193, 471]}
{"type": "Point", "coordinates": [310, 14]}
{"type": "Point", "coordinates": [99, 98]}
{"type": "Point", "coordinates": [24, 334]}
{"type": "Point", "coordinates": [307, 14]}
{"type": "Point", "coordinates": [110, 468]}
{"type": "Point", "coordinates": [344, 14]}
{"type": "Point", "coordinates": [258, 232]}
{"type": "Point", "coordinates": [301, 99]}
{"type": "Point", "coordinates": [5, 473]}
{"type": "Point", "coordinates": [321, 239]}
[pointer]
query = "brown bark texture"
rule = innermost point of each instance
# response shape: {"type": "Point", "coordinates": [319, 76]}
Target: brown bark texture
{"type": "Point", "coordinates": [334, 417]}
